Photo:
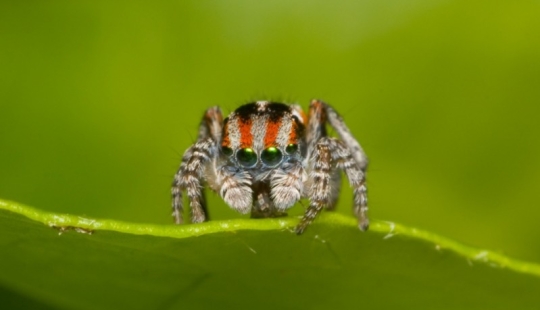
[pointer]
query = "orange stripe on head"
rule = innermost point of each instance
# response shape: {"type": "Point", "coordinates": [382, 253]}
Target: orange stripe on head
{"type": "Point", "coordinates": [246, 138]}
{"type": "Point", "coordinates": [272, 130]}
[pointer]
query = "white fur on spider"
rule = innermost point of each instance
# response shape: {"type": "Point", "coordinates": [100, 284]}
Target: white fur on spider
{"type": "Point", "coordinates": [264, 158]}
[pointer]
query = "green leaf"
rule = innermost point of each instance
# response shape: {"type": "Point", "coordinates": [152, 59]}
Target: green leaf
{"type": "Point", "coordinates": [240, 264]}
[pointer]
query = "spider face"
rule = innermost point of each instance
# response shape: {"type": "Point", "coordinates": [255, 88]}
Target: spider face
{"type": "Point", "coordinates": [262, 136]}
{"type": "Point", "coordinates": [266, 156]}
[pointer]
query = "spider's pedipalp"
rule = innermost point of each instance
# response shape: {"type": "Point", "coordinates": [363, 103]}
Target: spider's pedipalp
{"type": "Point", "coordinates": [287, 185]}
{"type": "Point", "coordinates": [235, 189]}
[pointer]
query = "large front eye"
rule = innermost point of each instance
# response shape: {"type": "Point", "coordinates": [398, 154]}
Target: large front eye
{"type": "Point", "coordinates": [246, 157]}
{"type": "Point", "coordinates": [271, 156]}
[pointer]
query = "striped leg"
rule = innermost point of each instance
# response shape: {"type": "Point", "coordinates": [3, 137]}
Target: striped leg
{"type": "Point", "coordinates": [320, 183]}
{"type": "Point", "coordinates": [189, 178]}
{"type": "Point", "coordinates": [344, 159]}
{"type": "Point", "coordinates": [335, 185]}
{"type": "Point", "coordinates": [316, 128]}
{"type": "Point", "coordinates": [347, 154]}
{"type": "Point", "coordinates": [331, 116]}
{"type": "Point", "coordinates": [354, 162]}
{"type": "Point", "coordinates": [194, 162]}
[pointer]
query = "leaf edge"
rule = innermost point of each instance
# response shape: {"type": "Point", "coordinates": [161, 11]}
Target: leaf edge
{"type": "Point", "coordinates": [386, 228]}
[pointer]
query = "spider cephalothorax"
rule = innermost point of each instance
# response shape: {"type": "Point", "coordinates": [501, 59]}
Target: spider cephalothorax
{"type": "Point", "coordinates": [266, 156]}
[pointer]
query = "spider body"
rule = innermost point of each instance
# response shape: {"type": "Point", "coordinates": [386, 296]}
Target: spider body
{"type": "Point", "coordinates": [266, 156]}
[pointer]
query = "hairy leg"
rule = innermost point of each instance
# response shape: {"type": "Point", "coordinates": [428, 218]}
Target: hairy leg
{"type": "Point", "coordinates": [189, 178]}
{"type": "Point", "coordinates": [335, 120]}
{"type": "Point", "coordinates": [344, 159]}
{"type": "Point", "coordinates": [335, 186]}
{"type": "Point", "coordinates": [194, 162]}
{"type": "Point", "coordinates": [353, 160]}
{"type": "Point", "coordinates": [320, 178]}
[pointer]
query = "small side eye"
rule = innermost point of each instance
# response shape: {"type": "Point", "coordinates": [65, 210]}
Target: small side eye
{"type": "Point", "coordinates": [291, 148]}
{"type": "Point", "coordinates": [226, 150]}
{"type": "Point", "coordinates": [271, 156]}
{"type": "Point", "coordinates": [246, 157]}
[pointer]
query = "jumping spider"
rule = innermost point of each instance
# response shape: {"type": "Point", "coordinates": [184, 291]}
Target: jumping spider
{"type": "Point", "coordinates": [266, 156]}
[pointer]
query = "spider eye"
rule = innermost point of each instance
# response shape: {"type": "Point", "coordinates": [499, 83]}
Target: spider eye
{"type": "Point", "coordinates": [291, 148]}
{"type": "Point", "coordinates": [246, 157]}
{"type": "Point", "coordinates": [226, 150]}
{"type": "Point", "coordinates": [271, 156]}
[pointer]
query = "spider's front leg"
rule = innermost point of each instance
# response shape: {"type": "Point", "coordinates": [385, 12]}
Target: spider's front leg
{"type": "Point", "coordinates": [345, 154]}
{"type": "Point", "coordinates": [195, 161]}
{"type": "Point", "coordinates": [189, 177]}
{"type": "Point", "coordinates": [345, 160]}
{"type": "Point", "coordinates": [320, 180]}
{"type": "Point", "coordinates": [350, 157]}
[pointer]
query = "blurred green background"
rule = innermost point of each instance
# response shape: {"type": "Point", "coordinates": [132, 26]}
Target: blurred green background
{"type": "Point", "coordinates": [99, 99]}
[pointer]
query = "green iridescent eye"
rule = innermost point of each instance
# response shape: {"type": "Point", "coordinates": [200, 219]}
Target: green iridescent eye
{"type": "Point", "coordinates": [291, 148]}
{"type": "Point", "coordinates": [271, 156]}
{"type": "Point", "coordinates": [226, 150]}
{"type": "Point", "coordinates": [246, 157]}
